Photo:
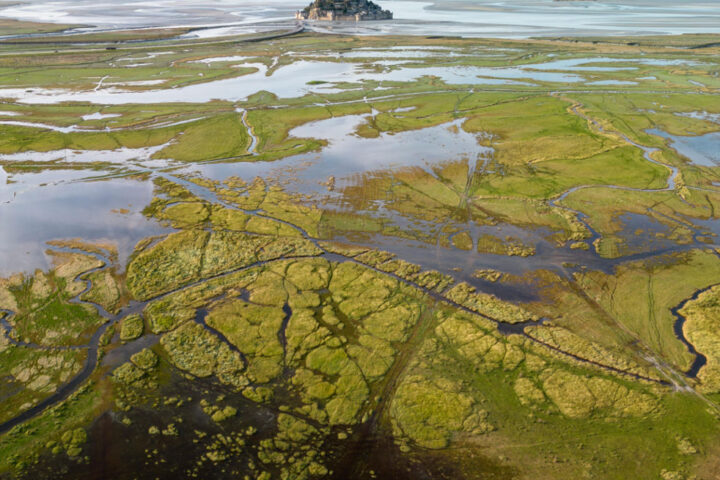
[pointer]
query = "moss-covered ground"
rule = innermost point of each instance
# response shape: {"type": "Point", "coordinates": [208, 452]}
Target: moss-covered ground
{"type": "Point", "coordinates": [530, 306]}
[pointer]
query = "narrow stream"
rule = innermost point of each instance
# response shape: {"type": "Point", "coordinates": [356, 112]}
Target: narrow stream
{"type": "Point", "coordinates": [700, 359]}
{"type": "Point", "coordinates": [647, 152]}
{"type": "Point", "coordinates": [207, 194]}
{"type": "Point", "coordinates": [64, 391]}
{"type": "Point", "coordinates": [252, 148]}
{"type": "Point", "coordinates": [136, 307]}
{"type": "Point", "coordinates": [282, 338]}
{"type": "Point", "coordinates": [201, 317]}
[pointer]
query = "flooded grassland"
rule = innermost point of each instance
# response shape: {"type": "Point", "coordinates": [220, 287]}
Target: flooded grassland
{"type": "Point", "coordinates": [325, 256]}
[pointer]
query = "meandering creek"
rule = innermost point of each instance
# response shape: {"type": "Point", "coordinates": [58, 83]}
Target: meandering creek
{"type": "Point", "coordinates": [106, 205]}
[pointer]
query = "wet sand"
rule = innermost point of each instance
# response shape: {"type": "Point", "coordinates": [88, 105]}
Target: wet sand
{"type": "Point", "coordinates": [478, 18]}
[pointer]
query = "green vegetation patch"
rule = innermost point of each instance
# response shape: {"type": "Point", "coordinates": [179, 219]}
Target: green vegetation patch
{"type": "Point", "coordinates": [701, 318]}
{"type": "Point", "coordinates": [132, 327]}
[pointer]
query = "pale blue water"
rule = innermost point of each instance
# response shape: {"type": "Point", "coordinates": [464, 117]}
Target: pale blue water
{"type": "Point", "coordinates": [496, 18]}
{"type": "Point", "coordinates": [101, 211]}
{"type": "Point", "coordinates": [701, 150]}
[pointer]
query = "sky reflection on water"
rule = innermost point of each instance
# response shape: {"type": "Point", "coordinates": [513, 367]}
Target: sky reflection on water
{"type": "Point", "coordinates": [478, 18]}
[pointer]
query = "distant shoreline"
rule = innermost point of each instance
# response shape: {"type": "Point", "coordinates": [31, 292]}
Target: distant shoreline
{"type": "Point", "coordinates": [477, 19]}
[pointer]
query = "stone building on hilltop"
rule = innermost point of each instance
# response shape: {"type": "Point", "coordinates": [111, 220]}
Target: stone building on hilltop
{"type": "Point", "coordinates": [344, 10]}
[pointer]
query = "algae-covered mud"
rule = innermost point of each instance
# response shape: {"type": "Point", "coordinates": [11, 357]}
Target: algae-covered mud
{"type": "Point", "coordinates": [311, 256]}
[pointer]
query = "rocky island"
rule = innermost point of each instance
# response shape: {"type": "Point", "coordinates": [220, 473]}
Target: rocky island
{"type": "Point", "coordinates": [347, 10]}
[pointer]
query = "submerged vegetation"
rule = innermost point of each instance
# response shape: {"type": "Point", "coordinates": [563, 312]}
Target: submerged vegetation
{"type": "Point", "coordinates": [490, 264]}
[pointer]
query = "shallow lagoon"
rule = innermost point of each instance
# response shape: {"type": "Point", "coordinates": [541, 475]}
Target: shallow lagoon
{"type": "Point", "coordinates": [347, 155]}
{"type": "Point", "coordinates": [99, 211]}
{"type": "Point", "coordinates": [120, 156]}
{"type": "Point", "coordinates": [286, 82]}
{"type": "Point", "coordinates": [300, 78]}
{"type": "Point", "coordinates": [703, 150]}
